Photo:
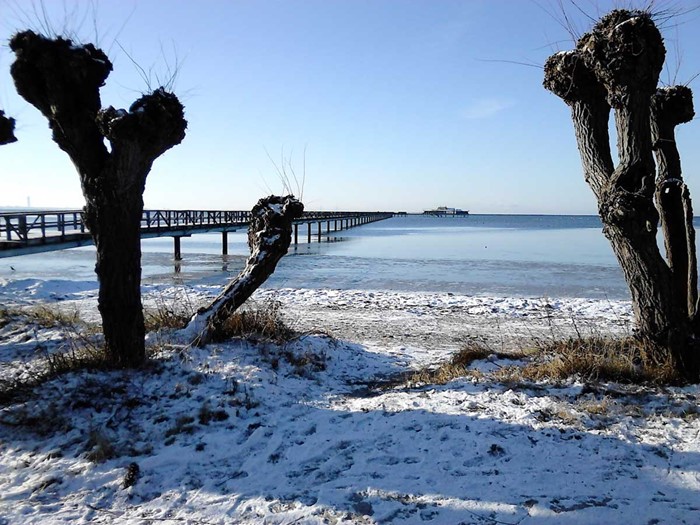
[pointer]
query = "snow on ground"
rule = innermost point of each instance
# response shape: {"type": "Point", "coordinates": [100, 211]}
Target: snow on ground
{"type": "Point", "coordinates": [254, 433]}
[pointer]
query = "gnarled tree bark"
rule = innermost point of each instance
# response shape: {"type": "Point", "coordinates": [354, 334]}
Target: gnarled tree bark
{"type": "Point", "coordinates": [269, 236]}
{"type": "Point", "coordinates": [670, 107]}
{"type": "Point", "coordinates": [63, 80]}
{"type": "Point", "coordinates": [617, 66]}
{"type": "Point", "coordinates": [7, 129]}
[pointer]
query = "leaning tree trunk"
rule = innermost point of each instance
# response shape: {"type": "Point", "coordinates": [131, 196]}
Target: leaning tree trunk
{"type": "Point", "coordinates": [7, 129]}
{"type": "Point", "coordinates": [617, 66]}
{"type": "Point", "coordinates": [63, 80]}
{"type": "Point", "coordinates": [269, 236]}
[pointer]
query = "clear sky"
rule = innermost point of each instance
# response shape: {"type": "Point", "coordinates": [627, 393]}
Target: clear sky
{"type": "Point", "coordinates": [400, 104]}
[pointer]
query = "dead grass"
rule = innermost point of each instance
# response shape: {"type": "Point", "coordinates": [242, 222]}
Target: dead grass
{"type": "Point", "coordinates": [41, 316]}
{"type": "Point", "coordinates": [263, 322]}
{"type": "Point", "coordinates": [5, 317]}
{"type": "Point", "coordinates": [458, 366]}
{"type": "Point", "coordinates": [594, 359]}
{"type": "Point", "coordinates": [79, 347]}
{"type": "Point", "coordinates": [78, 356]}
{"type": "Point", "coordinates": [259, 322]}
{"type": "Point", "coordinates": [589, 359]}
{"type": "Point", "coordinates": [48, 317]}
{"type": "Point", "coordinates": [168, 313]}
{"type": "Point", "coordinates": [99, 448]}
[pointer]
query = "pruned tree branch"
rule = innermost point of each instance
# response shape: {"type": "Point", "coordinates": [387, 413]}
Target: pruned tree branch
{"type": "Point", "coordinates": [7, 129]}
{"type": "Point", "coordinates": [670, 107]}
{"type": "Point", "coordinates": [63, 82]}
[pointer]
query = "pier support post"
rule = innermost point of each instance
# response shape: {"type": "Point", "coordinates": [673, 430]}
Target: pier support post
{"type": "Point", "coordinates": [319, 231]}
{"type": "Point", "coordinates": [308, 233]}
{"type": "Point", "coordinates": [224, 243]}
{"type": "Point", "coordinates": [178, 253]}
{"type": "Point", "coordinates": [296, 234]}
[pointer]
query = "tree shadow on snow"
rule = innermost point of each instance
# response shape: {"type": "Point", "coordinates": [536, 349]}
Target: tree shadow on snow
{"type": "Point", "coordinates": [235, 433]}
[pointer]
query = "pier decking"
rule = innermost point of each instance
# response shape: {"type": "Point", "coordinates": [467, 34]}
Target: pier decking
{"type": "Point", "coordinates": [26, 232]}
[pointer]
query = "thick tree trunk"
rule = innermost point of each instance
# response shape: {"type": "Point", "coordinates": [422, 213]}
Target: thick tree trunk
{"type": "Point", "coordinates": [269, 236]}
{"type": "Point", "coordinates": [632, 235]}
{"type": "Point", "coordinates": [118, 269]}
{"type": "Point", "coordinates": [7, 129]}
{"type": "Point", "coordinates": [631, 219]}
{"type": "Point", "coordinates": [617, 65]}
{"type": "Point", "coordinates": [62, 80]}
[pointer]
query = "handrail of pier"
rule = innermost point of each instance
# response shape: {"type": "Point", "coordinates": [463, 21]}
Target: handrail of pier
{"type": "Point", "coordinates": [20, 226]}
{"type": "Point", "coordinates": [25, 226]}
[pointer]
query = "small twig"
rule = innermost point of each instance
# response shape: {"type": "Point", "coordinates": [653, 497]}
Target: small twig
{"type": "Point", "coordinates": [142, 72]}
{"type": "Point", "coordinates": [537, 66]}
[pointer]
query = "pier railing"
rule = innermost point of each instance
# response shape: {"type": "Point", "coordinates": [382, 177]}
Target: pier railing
{"type": "Point", "coordinates": [35, 231]}
{"type": "Point", "coordinates": [21, 226]}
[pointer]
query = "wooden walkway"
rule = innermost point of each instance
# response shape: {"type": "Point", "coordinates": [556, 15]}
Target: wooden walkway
{"type": "Point", "coordinates": [23, 233]}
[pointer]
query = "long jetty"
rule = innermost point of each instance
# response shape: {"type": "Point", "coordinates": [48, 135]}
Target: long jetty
{"type": "Point", "coordinates": [26, 232]}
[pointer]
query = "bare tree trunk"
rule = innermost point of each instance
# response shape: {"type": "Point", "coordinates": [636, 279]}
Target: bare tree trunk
{"type": "Point", "coordinates": [617, 65]}
{"type": "Point", "coordinates": [269, 236]}
{"type": "Point", "coordinates": [7, 129]}
{"type": "Point", "coordinates": [63, 80]}
{"type": "Point", "coordinates": [631, 219]}
{"type": "Point", "coordinates": [118, 269]}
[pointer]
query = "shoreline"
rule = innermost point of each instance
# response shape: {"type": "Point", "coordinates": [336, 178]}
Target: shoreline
{"type": "Point", "coordinates": [433, 322]}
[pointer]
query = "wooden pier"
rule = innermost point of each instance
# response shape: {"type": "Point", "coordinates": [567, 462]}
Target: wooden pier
{"type": "Point", "coordinates": [23, 233]}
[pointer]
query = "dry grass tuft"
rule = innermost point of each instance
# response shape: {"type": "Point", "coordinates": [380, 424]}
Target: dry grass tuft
{"type": "Point", "coordinates": [166, 313]}
{"type": "Point", "coordinates": [80, 348]}
{"type": "Point", "coordinates": [262, 322]}
{"type": "Point", "coordinates": [47, 317]}
{"type": "Point", "coordinates": [589, 359]}
{"type": "Point", "coordinates": [625, 360]}
{"type": "Point", "coordinates": [41, 316]}
{"type": "Point", "coordinates": [77, 357]}
{"type": "Point", "coordinates": [99, 448]}
{"type": "Point", "coordinates": [457, 367]}
{"type": "Point", "coordinates": [5, 316]}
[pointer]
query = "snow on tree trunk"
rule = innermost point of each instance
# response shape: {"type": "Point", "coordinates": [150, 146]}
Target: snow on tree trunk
{"type": "Point", "coordinates": [269, 236]}
{"type": "Point", "coordinates": [616, 66]}
{"type": "Point", "coordinates": [7, 129]}
{"type": "Point", "coordinates": [62, 80]}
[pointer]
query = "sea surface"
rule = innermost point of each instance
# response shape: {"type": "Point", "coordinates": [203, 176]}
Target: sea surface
{"type": "Point", "coordinates": [502, 255]}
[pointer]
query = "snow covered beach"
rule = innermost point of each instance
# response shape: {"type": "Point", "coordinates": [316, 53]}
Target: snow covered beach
{"type": "Point", "coordinates": [247, 432]}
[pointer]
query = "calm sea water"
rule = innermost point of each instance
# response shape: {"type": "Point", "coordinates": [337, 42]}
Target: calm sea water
{"type": "Point", "coordinates": [507, 255]}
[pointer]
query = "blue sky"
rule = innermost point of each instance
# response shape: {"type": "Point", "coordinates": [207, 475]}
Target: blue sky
{"type": "Point", "coordinates": [399, 104]}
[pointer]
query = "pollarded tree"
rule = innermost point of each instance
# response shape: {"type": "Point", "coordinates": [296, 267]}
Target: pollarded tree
{"type": "Point", "coordinates": [616, 66]}
{"type": "Point", "coordinates": [269, 237]}
{"type": "Point", "coordinates": [62, 80]}
{"type": "Point", "coordinates": [7, 129]}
